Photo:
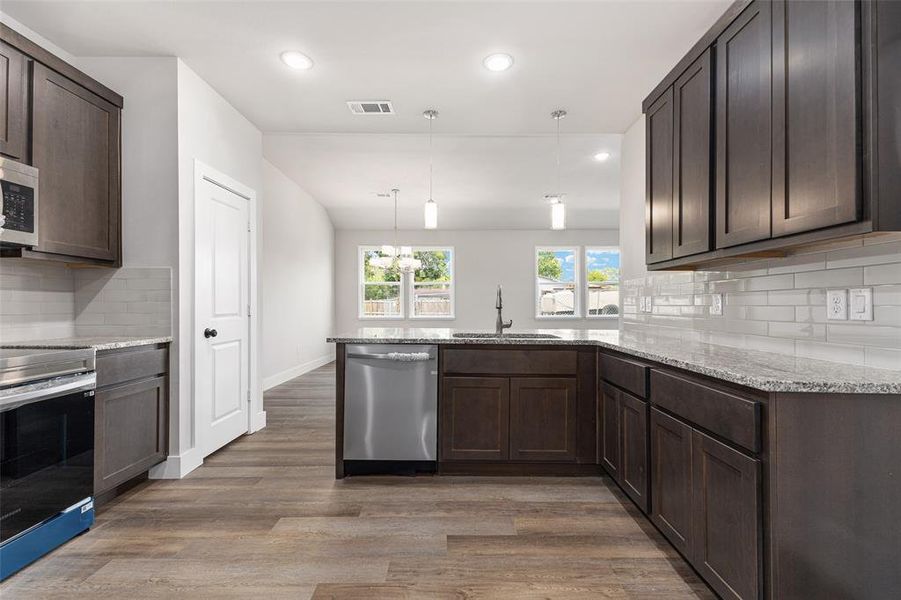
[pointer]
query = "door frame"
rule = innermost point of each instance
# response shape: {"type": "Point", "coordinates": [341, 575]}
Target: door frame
{"type": "Point", "coordinates": [256, 416]}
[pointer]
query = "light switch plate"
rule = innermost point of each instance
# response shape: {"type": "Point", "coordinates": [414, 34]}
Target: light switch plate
{"type": "Point", "coordinates": [716, 305]}
{"type": "Point", "coordinates": [860, 304]}
{"type": "Point", "coordinates": [649, 304]}
{"type": "Point", "coordinates": [836, 305]}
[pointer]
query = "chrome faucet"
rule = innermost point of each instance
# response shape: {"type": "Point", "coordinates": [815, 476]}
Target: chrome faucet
{"type": "Point", "coordinates": [501, 324]}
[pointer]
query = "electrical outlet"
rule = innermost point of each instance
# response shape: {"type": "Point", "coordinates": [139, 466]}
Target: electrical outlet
{"type": "Point", "coordinates": [836, 305]}
{"type": "Point", "coordinates": [860, 304]}
{"type": "Point", "coordinates": [716, 305]}
{"type": "Point", "coordinates": [648, 304]}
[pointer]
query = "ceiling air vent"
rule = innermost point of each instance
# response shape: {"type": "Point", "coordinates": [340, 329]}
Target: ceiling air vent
{"type": "Point", "coordinates": [370, 107]}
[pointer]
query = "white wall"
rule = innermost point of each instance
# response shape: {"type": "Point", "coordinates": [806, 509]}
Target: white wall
{"type": "Point", "coordinates": [483, 260]}
{"type": "Point", "coordinates": [296, 279]}
{"type": "Point", "coordinates": [632, 198]}
{"type": "Point", "coordinates": [212, 131]}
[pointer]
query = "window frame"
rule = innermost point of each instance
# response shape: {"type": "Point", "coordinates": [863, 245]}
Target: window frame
{"type": "Point", "coordinates": [577, 283]}
{"type": "Point", "coordinates": [361, 287]}
{"type": "Point", "coordinates": [410, 277]}
{"type": "Point", "coordinates": [585, 251]}
{"type": "Point", "coordinates": [406, 287]}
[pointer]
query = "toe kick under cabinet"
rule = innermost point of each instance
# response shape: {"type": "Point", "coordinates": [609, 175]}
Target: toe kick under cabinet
{"type": "Point", "coordinates": [131, 410]}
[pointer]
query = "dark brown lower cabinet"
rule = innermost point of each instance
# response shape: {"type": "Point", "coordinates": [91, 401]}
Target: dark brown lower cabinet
{"type": "Point", "coordinates": [608, 407]}
{"type": "Point", "coordinates": [725, 517]}
{"type": "Point", "coordinates": [671, 479]}
{"type": "Point", "coordinates": [475, 418]}
{"type": "Point", "coordinates": [131, 408]}
{"type": "Point", "coordinates": [131, 419]}
{"type": "Point", "coordinates": [624, 441]}
{"type": "Point", "coordinates": [543, 419]}
{"type": "Point", "coordinates": [633, 421]}
{"type": "Point", "coordinates": [706, 501]}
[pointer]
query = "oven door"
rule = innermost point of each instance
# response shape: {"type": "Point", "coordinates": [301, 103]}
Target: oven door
{"type": "Point", "coordinates": [46, 450]}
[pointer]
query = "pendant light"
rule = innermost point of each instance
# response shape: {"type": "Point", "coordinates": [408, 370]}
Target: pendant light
{"type": "Point", "coordinates": [431, 207]}
{"type": "Point", "coordinates": [400, 257]}
{"type": "Point", "coordinates": [558, 209]}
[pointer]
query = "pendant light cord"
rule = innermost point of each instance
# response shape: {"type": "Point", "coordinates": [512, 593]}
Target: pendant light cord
{"type": "Point", "coordinates": [559, 195]}
{"type": "Point", "coordinates": [431, 159]}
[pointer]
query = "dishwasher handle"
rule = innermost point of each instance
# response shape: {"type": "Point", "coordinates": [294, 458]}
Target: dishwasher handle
{"type": "Point", "coordinates": [393, 356]}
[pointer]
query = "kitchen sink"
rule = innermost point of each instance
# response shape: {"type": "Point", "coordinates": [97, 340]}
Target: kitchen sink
{"type": "Point", "coordinates": [508, 336]}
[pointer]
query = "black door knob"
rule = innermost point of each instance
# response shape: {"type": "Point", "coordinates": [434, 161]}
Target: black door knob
{"type": "Point", "coordinates": [208, 333]}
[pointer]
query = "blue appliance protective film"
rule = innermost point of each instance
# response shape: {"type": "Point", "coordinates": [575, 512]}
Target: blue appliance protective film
{"type": "Point", "coordinates": [30, 545]}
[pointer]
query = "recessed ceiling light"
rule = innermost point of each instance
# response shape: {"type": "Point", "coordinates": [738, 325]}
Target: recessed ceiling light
{"type": "Point", "coordinates": [498, 62]}
{"type": "Point", "coordinates": [297, 60]}
{"type": "Point", "coordinates": [601, 156]}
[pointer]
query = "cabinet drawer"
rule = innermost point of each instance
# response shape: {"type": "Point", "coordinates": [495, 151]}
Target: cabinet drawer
{"type": "Point", "coordinates": [118, 366]}
{"type": "Point", "coordinates": [627, 374]}
{"type": "Point", "coordinates": [509, 361]}
{"type": "Point", "coordinates": [735, 418]}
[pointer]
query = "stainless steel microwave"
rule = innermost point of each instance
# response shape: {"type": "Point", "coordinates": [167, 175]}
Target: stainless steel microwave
{"type": "Point", "coordinates": [19, 219]}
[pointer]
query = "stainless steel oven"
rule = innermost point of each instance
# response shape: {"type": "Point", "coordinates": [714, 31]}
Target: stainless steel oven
{"type": "Point", "coordinates": [46, 451]}
{"type": "Point", "coordinates": [19, 214]}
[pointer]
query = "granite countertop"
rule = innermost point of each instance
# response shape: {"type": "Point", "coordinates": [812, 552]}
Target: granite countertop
{"type": "Point", "coordinates": [97, 343]}
{"type": "Point", "coordinates": [765, 371]}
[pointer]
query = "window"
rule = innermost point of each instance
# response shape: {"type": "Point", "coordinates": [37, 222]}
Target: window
{"type": "Point", "coordinates": [602, 282]}
{"type": "Point", "coordinates": [433, 284]}
{"type": "Point", "coordinates": [430, 288]}
{"type": "Point", "coordinates": [557, 283]}
{"type": "Point", "coordinates": [380, 288]}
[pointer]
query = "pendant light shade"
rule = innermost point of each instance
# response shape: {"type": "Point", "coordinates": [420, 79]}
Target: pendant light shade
{"type": "Point", "coordinates": [430, 210]}
{"type": "Point", "coordinates": [431, 214]}
{"type": "Point", "coordinates": [558, 216]}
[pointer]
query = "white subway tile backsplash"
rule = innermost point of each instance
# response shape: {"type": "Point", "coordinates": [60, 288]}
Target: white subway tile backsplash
{"type": "Point", "coordinates": [779, 305]}
{"type": "Point", "coordinates": [44, 301]}
{"type": "Point", "coordinates": [831, 278]}
{"type": "Point", "coordinates": [882, 274]}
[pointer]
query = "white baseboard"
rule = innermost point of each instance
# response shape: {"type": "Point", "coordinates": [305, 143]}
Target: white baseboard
{"type": "Point", "coordinates": [177, 466]}
{"type": "Point", "coordinates": [258, 421]}
{"type": "Point", "coordinates": [288, 374]}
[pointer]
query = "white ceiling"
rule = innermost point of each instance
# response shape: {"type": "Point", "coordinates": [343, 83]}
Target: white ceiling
{"type": "Point", "coordinates": [480, 182]}
{"type": "Point", "coordinates": [596, 59]}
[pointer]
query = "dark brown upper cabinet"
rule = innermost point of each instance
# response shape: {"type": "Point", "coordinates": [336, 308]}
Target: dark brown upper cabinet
{"type": "Point", "coordinates": [803, 144]}
{"type": "Point", "coordinates": [75, 143]}
{"type": "Point", "coordinates": [692, 150]}
{"type": "Point", "coordinates": [815, 116]}
{"type": "Point", "coordinates": [13, 103]}
{"type": "Point", "coordinates": [743, 128]}
{"type": "Point", "coordinates": [659, 180]}
{"type": "Point", "coordinates": [68, 125]}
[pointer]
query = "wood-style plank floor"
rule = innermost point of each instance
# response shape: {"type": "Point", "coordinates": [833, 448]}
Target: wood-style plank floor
{"type": "Point", "coordinates": [265, 518]}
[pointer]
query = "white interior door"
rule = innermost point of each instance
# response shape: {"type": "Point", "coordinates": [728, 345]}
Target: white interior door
{"type": "Point", "coordinates": [221, 315]}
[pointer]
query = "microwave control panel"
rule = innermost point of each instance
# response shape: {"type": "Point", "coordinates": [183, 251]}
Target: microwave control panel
{"type": "Point", "coordinates": [18, 207]}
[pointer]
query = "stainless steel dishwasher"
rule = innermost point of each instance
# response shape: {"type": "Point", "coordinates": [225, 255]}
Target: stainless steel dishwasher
{"type": "Point", "coordinates": [390, 406]}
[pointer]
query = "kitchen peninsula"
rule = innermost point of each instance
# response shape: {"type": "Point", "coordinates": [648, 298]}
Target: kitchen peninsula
{"type": "Point", "coordinates": [741, 458]}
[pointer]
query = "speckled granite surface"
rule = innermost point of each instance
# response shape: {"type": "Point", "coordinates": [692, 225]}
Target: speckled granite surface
{"type": "Point", "coordinates": [764, 371]}
{"type": "Point", "coordinates": [97, 343]}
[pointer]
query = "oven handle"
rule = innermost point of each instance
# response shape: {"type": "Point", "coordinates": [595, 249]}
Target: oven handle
{"type": "Point", "coordinates": [36, 392]}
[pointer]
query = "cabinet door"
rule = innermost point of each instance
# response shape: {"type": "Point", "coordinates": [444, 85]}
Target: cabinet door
{"type": "Point", "coordinates": [725, 518]}
{"type": "Point", "coordinates": [633, 418]}
{"type": "Point", "coordinates": [815, 116]}
{"type": "Point", "coordinates": [608, 405]}
{"type": "Point", "coordinates": [743, 133]}
{"type": "Point", "coordinates": [76, 147]}
{"type": "Point", "coordinates": [692, 155]}
{"type": "Point", "coordinates": [475, 418]}
{"type": "Point", "coordinates": [671, 479]}
{"type": "Point", "coordinates": [543, 419]}
{"type": "Point", "coordinates": [13, 103]}
{"type": "Point", "coordinates": [130, 424]}
{"type": "Point", "coordinates": [659, 180]}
